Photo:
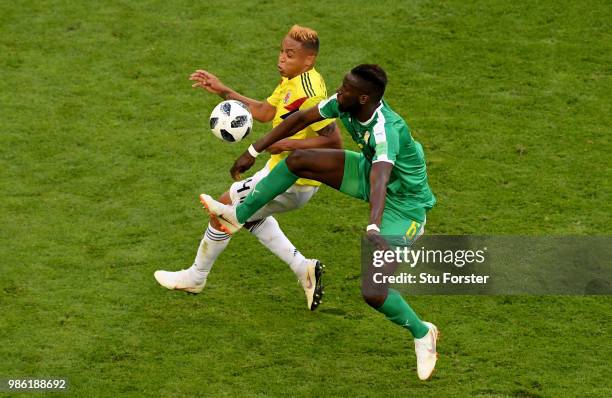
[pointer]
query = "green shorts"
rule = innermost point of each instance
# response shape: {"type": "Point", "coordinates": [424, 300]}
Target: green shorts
{"type": "Point", "coordinates": [398, 220]}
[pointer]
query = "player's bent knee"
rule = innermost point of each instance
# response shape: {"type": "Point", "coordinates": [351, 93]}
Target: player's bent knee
{"type": "Point", "coordinates": [297, 160]}
{"type": "Point", "coordinates": [374, 300]}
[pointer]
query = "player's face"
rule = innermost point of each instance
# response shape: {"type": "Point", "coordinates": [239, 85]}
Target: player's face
{"type": "Point", "coordinates": [350, 98]}
{"type": "Point", "coordinates": [293, 59]}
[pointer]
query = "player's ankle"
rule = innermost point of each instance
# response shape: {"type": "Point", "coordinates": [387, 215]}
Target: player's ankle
{"type": "Point", "coordinates": [198, 276]}
{"type": "Point", "coordinates": [299, 267]}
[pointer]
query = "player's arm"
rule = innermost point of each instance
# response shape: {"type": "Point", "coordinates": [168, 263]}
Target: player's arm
{"type": "Point", "coordinates": [379, 178]}
{"type": "Point", "coordinates": [294, 123]}
{"type": "Point", "coordinates": [329, 137]}
{"type": "Point", "coordinates": [262, 111]}
{"type": "Point", "coordinates": [386, 149]}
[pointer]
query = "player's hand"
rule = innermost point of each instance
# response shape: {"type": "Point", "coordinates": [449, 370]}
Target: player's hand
{"type": "Point", "coordinates": [281, 146]}
{"type": "Point", "coordinates": [376, 240]}
{"type": "Point", "coordinates": [242, 164]}
{"type": "Point", "coordinates": [208, 81]}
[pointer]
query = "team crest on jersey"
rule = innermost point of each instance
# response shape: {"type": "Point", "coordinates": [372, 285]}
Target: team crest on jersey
{"type": "Point", "coordinates": [366, 136]}
{"type": "Point", "coordinates": [287, 97]}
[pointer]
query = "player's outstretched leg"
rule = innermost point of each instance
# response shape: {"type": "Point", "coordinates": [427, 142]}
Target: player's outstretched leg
{"type": "Point", "coordinates": [232, 219]}
{"type": "Point", "coordinates": [277, 182]}
{"type": "Point", "coordinates": [391, 303]}
{"type": "Point", "coordinates": [323, 165]}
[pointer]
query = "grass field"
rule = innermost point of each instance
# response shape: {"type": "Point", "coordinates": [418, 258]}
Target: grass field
{"type": "Point", "coordinates": [104, 149]}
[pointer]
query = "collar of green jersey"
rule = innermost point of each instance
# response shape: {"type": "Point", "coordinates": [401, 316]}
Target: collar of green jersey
{"type": "Point", "coordinates": [371, 117]}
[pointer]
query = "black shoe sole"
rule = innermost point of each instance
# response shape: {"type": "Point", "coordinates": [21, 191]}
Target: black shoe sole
{"type": "Point", "coordinates": [318, 292]}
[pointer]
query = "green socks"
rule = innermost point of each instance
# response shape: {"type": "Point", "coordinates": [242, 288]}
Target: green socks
{"type": "Point", "coordinates": [398, 311]}
{"type": "Point", "coordinates": [275, 183]}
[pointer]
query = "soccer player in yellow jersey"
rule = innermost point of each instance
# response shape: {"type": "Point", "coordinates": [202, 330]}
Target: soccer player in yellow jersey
{"type": "Point", "coordinates": [301, 87]}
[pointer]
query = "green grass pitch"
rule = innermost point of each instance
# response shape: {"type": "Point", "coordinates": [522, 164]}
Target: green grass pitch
{"type": "Point", "coordinates": [104, 147]}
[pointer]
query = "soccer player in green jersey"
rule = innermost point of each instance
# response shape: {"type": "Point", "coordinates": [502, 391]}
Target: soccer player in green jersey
{"type": "Point", "coordinates": [390, 173]}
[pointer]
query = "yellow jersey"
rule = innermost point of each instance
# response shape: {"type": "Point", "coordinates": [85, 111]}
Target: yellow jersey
{"type": "Point", "coordinates": [291, 95]}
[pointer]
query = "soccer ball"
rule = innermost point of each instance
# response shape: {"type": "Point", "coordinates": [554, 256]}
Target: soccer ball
{"type": "Point", "coordinates": [231, 121]}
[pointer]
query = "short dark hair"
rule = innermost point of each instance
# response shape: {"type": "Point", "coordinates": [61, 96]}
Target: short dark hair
{"type": "Point", "coordinates": [375, 76]}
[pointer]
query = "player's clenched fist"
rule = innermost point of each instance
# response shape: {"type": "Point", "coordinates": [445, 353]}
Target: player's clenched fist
{"type": "Point", "coordinates": [377, 241]}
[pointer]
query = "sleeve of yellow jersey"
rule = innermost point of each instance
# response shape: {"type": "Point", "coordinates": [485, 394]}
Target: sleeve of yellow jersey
{"type": "Point", "coordinates": [309, 103]}
{"type": "Point", "coordinates": [275, 98]}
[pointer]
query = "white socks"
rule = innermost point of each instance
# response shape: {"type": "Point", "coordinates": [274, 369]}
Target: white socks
{"type": "Point", "coordinates": [212, 244]}
{"type": "Point", "coordinates": [271, 236]}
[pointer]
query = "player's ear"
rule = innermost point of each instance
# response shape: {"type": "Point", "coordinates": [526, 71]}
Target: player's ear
{"type": "Point", "coordinates": [363, 99]}
{"type": "Point", "coordinates": [310, 59]}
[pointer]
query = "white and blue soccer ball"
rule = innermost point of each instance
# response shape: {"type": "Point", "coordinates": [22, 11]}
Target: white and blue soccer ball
{"type": "Point", "coordinates": [231, 121]}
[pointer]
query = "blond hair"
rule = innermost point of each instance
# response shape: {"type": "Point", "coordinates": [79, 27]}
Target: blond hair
{"type": "Point", "coordinates": [306, 36]}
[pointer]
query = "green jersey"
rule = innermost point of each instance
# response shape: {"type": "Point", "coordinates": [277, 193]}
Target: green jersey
{"type": "Point", "coordinates": [386, 138]}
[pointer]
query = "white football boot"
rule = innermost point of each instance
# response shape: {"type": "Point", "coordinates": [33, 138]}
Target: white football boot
{"type": "Point", "coordinates": [426, 354]}
{"type": "Point", "coordinates": [179, 280]}
{"type": "Point", "coordinates": [224, 214]}
{"type": "Point", "coordinates": [312, 284]}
